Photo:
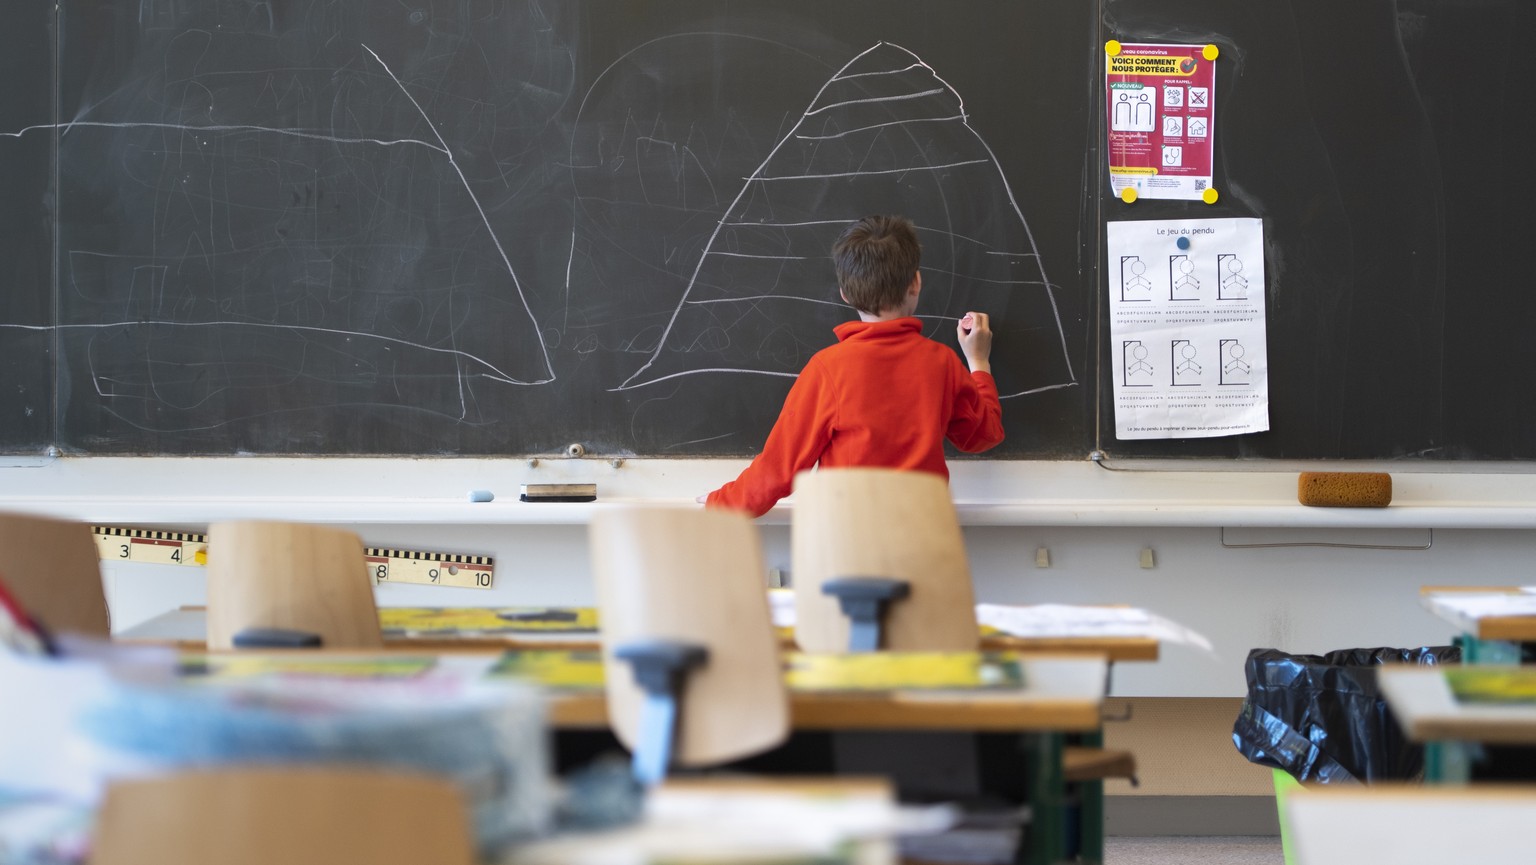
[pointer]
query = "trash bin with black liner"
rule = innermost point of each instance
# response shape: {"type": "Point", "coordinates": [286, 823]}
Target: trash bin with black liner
{"type": "Point", "coordinates": [1321, 718]}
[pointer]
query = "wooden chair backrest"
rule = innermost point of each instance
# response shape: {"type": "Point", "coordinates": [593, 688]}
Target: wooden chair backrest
{"type": "Point", "coordinates": [290, 575]}
{"type": "Point", "coordinates": [292, 815]}
{"type": "Point", "coordinates": [54, 571]}
{"type": "Point", "coordinates": [870, 522]}
{"type": "Point", "coordinates": [696, 575]}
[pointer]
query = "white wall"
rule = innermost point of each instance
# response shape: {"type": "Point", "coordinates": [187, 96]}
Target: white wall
{"type": "Point", "coordinates": [1094, 522]}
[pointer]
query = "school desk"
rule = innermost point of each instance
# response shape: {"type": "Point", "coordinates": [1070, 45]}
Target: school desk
{"type": "Point", "coordinates": [186, 627]}
{"type": "Point", "coordinates": [1493, 620]}
{"type": "Point", "coordinates": [1061, 695]}
{"type": "Point", "coordinates": [1454, 709]}
{"type": "Point", "coordinates": [1058, 695]}
{"type": "Point", "coordinates": [1410, 824]}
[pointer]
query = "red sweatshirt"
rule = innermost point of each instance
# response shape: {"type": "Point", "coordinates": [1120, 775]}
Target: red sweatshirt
{"type": "Point", "coordinates": [884, 396]}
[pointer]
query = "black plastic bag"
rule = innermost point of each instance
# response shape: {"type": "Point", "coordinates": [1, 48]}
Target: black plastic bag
{"type": "Point", "coordinates": [1322, 718]}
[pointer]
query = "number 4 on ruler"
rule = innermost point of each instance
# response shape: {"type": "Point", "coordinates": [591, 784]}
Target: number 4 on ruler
{"type": "Point", "coordinates": [384, 565]}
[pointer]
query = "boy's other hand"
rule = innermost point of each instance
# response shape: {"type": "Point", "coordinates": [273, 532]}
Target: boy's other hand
{"type": "Point", "coordinates": [975, 334]}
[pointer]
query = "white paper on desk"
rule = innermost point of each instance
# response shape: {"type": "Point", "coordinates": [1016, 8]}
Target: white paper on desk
{"type": "Point", "coordinates": [1477, 606]}
{"type": "Point", "coordinates": [1066, 620]}
{"type": "Point", "coordinates": [781, 602]}
{"type": "Point", "coordinates": [715, 826]}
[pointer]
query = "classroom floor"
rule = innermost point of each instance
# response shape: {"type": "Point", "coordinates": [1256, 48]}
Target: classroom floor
{"type": "Point", "coordinates": [1182, 850]}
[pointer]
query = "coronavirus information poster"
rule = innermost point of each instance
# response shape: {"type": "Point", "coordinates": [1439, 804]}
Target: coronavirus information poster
{"type": "Point", "coordinates": [1162, 111]}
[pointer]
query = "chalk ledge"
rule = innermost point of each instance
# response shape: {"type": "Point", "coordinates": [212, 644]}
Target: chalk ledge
{"type": "Point", "coordinates": [195, 491]}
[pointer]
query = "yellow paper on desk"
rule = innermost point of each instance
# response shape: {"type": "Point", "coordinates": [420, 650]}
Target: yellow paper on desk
{"type": "Point", "coordinates": [895, 671]}
{"type": "Point", "coordinates": [577, 670]}
{"type": "Point", "coordinates": [1507, 685]}
{"type": "Point", "coordinates": [486, 621]}
{"type": "Point", "coordinates": [316, 666]}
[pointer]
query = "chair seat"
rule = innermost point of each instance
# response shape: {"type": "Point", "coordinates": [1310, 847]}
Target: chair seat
{"type": "Point", "coordinates": [1081, 763]}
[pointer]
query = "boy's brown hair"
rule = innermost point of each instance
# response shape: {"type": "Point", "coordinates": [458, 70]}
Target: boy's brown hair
{"type": "Point", "coordinates": [876, 259]}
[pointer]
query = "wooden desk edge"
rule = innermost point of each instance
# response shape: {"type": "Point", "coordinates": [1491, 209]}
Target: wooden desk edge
{"type": "Point", "coordinates": [1487, 731]}
{"type": "Point", "coordinates": [589, 710]}
{"type": "Point", "coordinates": [1112, 649]}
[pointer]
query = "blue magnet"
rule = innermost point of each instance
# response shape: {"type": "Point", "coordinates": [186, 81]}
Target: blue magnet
{"type": "Point", "coordinates": [1183, 243]}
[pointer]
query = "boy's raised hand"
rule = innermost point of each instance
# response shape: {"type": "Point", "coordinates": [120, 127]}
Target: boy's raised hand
{"type": "Point", "coordinates": [975, 334]}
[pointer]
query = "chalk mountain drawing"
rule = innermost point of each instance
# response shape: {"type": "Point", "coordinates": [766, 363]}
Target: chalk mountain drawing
{"type": "Point", "coordinates": [885, 134]}
{"type": "Point", "coordinates": [285, 232]}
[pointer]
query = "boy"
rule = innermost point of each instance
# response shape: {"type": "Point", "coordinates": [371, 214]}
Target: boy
{"type": "Point", "coordinates": [884, 395]}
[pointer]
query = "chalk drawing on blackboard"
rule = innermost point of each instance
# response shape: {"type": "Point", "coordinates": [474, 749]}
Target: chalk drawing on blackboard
{"type": "Point", "coordinates": [884, 134]}
{"type": "Point", "coordinates": [1186, 369]}
{"type": "Point", "coordinates": [286, 236]}
{"type": "Point", "coordinates": [1133, 360]}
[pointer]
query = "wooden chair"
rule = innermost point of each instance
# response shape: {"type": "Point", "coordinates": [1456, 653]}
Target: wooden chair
{"type": "Point", "coordinates": [681, 581]}
{"type": "Point", "coordinates": [291, 577]}
{"type": "Point", "coordinates": [884, 524]}
{"type": "Point", "coordinates": [54, 570]}
{"type": "Point", "coordinates": [292, 815]}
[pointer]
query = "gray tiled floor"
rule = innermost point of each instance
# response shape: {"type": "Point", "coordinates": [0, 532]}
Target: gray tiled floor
{"type": "Point", "coordinates": [1176, 850]}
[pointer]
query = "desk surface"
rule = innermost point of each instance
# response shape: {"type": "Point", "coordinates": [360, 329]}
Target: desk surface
{"type": "Point", "coordinates": [1485, 612]}
{"type": "Point", "coordinates": [1059, 693]}
{"type": "Point", "coordinates": [1429, 710]}
{"type": "Point", "coordinates": [1411, 825]}
{"type": "Point", "coordinates": [187, 628]}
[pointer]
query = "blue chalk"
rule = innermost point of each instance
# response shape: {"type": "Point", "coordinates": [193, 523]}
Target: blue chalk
{"type": "Point", "coordinates": [1183, 243]}
{"type": "Point", "coordinates": [481, 495]}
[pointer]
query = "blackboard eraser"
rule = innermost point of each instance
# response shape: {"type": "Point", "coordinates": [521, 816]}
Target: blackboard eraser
{"type": "Point", "coordinates": [559, 493]}
{"type": "Point", "coordinates": [1344, 489]}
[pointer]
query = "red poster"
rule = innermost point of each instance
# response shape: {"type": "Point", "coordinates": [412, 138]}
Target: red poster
{"type": "Point", "coordinates": [1162, 108]}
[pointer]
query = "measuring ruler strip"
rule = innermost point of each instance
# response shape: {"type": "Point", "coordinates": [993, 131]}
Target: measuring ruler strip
{"type": "Point", "coordinates": [146, 545]}
{"type": "Point", "coordinates": [114, 543]}
{"type": "Point", "coordinates": [432, 569]}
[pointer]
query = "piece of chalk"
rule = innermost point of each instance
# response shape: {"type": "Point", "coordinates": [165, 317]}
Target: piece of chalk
{"type": "Point", "coordinates": [1183, 243]}
{"type": "Point", "coordinates": [966, 321]}
{"type": "Point", "coordinates": [481, 495]}
{"type": "Point", "coordinates": [1344, 489]}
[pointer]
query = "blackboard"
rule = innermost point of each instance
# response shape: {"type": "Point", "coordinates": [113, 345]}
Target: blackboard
{"type": "Point", "coordinates": [1382, 143]}
{"type": "Point", "coordinates": [505, 226]}
{"type": "Point", "coordinates": [501, 227]}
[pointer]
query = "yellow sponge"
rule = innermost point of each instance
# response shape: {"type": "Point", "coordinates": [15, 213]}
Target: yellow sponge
{"type": "Point", "coordinates": [1344, 489]}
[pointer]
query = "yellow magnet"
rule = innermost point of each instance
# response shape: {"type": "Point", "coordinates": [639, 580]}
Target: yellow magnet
{"type": "Point", "coordinates": [1112, 48]}
{"type": "Point", "coordinates": [1128, 194]}
{"type": "Point", "coordinates": [1210, 195]}
{"type": "Point", "coordinates": [1210, 52]}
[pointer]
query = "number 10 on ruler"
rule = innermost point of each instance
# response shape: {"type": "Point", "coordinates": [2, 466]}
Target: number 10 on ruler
{"type": "Point", "coordinates": [466, 572]}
